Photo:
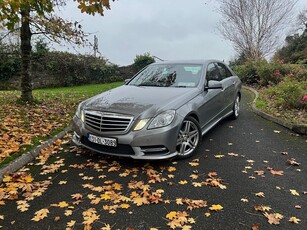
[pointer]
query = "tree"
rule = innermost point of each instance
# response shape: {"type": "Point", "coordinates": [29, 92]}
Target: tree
{"type": "Point", "coordinates": [38, 17]}
{"type": "Point", "coordinates": [140, 61]}
{"type": "Point", "coordinates": [295, 49]}
{"type": "Point", "coordinates": [253, 26]}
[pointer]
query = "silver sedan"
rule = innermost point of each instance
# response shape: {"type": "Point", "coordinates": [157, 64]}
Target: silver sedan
{"type": "Point", "coordinates": [162, 112]}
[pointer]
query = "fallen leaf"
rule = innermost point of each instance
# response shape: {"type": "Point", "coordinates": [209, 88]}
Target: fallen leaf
{"type": "Point", "coordinates": [294, 192]}
{"type": "Point", "coordinates": [40, 214]}
{"type": "Point", "coordinates": [216, 207]}
{"type": "Point", "coordinates": [262, 208]}
{"type": "Point", "coordinates": [255, 226]}
{"type": "Point", "coordinates": [277, 172]}
{"type": "Point", "coordinates": [272, 218]}
{"type": "Point", "coordinates": [294, 220]}
{"type": "Point", "coordinates": [259, 194]}
{"type": "Point", "coordinates": [182, 182]}
{"type": "Point", "coordinates": [233, 154]}
{"type": "Point", "coordinates": [293, 162]}
{"type": "Point", "coordinates": [171, 169]}
{"type": "Point", "coordinates": [62, 204]}
{"type": "Point", "coordinates": [219, 156]}
{"type": "Point", "coordinates": [171, 215]}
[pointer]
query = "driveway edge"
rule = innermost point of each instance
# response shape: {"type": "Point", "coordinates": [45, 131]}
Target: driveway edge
{"type": "Point", "coordinates": [31, 155]}
{"type": "Point", "coordinates": [301, 129]}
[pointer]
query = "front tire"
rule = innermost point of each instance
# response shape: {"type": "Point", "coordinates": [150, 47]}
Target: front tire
{"type": "Point", "coordinates": [189, 138]}
{"type": "Point", "coordinates": [236, 108]}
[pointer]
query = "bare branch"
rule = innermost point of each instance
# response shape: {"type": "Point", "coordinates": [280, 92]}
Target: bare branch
{"type": "Point", "coordinates": [254, 26]}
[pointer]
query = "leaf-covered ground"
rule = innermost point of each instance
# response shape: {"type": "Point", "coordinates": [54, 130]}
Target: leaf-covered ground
{"type": "Point", "coordinates": [247, 174]}
{"type": "Point", "coordinates": [24, 126]}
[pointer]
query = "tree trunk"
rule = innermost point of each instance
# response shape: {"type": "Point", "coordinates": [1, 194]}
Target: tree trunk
{"type": "Point", "coordinates": [25, 37]}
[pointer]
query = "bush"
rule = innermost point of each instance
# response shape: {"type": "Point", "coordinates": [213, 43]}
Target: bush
{"type": "Point", "coordinates": [288, 94]}
{"type": "Point", "coordinates": [9, 62]}
{"type": "Point", "coordinates": [143, 60]}
{"type": "Point", "coordinates": [67, 69]}
{"type": "Point", "coordinates": [263, 73]}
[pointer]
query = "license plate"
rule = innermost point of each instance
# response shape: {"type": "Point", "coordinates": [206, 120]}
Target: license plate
{"type": "Point", "coordinates": [102, 140]}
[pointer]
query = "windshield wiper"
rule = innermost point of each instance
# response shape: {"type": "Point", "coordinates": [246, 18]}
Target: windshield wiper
{"type": "Point", "coordinates": [148, 84]}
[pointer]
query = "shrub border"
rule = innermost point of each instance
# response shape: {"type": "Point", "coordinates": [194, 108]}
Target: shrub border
{"type": "Point", "coordinates": [301, 129]}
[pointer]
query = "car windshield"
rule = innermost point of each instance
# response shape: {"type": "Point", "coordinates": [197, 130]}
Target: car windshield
{"type": "Point", "coordinates": [169, 75]}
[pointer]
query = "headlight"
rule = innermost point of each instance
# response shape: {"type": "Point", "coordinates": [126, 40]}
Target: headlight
{"type": "Point", "coordinates": [163, 119]}
{"type": "Point", "coordinates": [80, 113]}
{"type": "Point", "coordinates": [141, 124]}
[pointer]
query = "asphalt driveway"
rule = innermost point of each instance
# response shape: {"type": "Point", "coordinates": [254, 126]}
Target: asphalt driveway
{"type": "Point", "coordinates": [247, 173]}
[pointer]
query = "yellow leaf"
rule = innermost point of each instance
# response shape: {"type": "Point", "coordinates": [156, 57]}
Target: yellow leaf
{"type": "Point", "coordinates": [219, 156]}
{"type": "Point", "coordinates": [182, 182]}
{"type": "Point", "coordinates": [140, 201]}
{"type": "Point", "coordinates": [294, 192]}
{"type": "Point", "coordinates": [62, 204]}
{"type": "Point", "coordinates": [172, 215]}
{"type": "Point", "coordinates": [125, 206]}
{"type": "Point", "coordinates": [193, 164]}
{"type": "Point", "coordinates": [191, 220]}
{"type": "Point", "coordinates": [71, 223]}
{"type": "Point", "coordinates": [105, 196]}
{"type": "Point", "coordinates": [171, 169]}
{"type": "Point", "coordinates": [216, 207]}
{"type": "Point", "coordinates": [28, 179]}
{"type": "Point", "coordinates": [7, 179]}
{"type": "Point", "coordinates": [68, 212]}
{"type": "Point", "coordinates": [207, 214]}
{"type": "Point", "coordinates": [244, 200]}
{"type": "Point", "coordinates": [106, 227]}
{"type": "Point", "coordinates": [41, 214]}
{"type": "Point", "coordinates": [294, 220]}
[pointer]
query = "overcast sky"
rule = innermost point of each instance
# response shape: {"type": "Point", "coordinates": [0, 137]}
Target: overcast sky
{"type": "Point", "coordinates": [173, 29]}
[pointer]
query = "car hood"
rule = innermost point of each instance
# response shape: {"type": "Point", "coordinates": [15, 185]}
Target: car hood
{"type": "Point", "coordinates": [136, 100]}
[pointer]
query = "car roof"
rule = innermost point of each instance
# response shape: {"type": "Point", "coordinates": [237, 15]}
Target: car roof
{"type": "Point", "coordinates": [197, 61]}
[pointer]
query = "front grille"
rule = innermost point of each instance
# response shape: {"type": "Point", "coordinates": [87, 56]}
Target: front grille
{"type": "Point", "coordinates": [121, 149]}
{"type": "Point", "coordinates": [107, 122]}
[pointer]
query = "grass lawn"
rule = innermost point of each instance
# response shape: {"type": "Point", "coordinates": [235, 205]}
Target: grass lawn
{"type": "Point", "coordinates": [25, 126]}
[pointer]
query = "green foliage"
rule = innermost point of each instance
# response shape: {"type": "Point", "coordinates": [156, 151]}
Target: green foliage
{"type": "Point", "coordinates": [40, 49]}
{"type": "Point", "coordinates": [67, 69]}
{"type": "Point", "coordinates": [9, 62]}
{"type": "Point", "coordinates": [263, 73]}
{"type": "Point", "coordinates": [288, 94]}
{"type": "Point", "coordinates": [295, 50]}
{"type": "Point", "coordinates": [143, 60]}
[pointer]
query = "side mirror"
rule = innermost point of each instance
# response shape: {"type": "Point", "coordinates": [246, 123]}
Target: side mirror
{"type": "Point", "coordinates": [214, 85]}
{"type": "Point", "coordinates": [126, 81]}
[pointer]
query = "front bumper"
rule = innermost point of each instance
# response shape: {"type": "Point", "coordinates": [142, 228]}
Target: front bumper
{"type": "Point", "coordinates": [154, 144]}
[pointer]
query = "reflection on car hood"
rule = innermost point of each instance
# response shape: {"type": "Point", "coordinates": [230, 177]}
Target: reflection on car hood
{"type": "Point", "coordinates": [134, 100]}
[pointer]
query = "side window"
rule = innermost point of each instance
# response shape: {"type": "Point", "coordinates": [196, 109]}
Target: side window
{"type": "Point", "coordinates": [224, 71]}
{"type": "Point", "coordinates": [213, 72]}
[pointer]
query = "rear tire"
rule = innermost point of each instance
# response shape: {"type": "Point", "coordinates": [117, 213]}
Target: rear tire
{"type": "Point", "coordinates": [189, 138]}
